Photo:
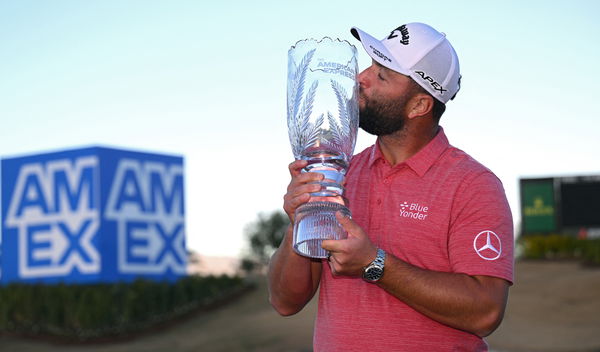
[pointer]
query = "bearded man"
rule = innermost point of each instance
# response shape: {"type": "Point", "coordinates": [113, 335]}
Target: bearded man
{"type": "Point", "coordinates": [429, 255]}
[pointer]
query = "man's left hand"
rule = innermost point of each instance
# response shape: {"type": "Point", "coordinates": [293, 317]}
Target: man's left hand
{"type": "Point", "coordinates": [350, 256]}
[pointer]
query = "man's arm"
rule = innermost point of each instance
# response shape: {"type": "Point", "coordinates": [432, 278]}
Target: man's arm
{"type": "Point", "coordinates": [294, 279]}
{"type": "Point", "coordinates": [472, 303]}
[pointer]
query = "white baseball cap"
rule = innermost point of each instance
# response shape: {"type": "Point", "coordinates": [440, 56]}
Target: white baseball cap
{"type": "Point", "coordinates": [420, 52]}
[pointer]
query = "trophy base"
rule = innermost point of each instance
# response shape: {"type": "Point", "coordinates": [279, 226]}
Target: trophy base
{"type": "Point", "coordinates": [315, 222]}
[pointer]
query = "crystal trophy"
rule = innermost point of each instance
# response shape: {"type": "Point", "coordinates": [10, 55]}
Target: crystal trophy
{"type": "Point", "coordinates": [322, 117]}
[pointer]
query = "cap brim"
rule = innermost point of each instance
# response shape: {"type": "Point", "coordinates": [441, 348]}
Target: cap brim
{"type": "Point", "coordinates": [377, 51]}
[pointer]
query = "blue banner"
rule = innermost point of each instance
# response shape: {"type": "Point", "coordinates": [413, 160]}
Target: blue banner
{"type": "Point", "coordinates": [93, 215]}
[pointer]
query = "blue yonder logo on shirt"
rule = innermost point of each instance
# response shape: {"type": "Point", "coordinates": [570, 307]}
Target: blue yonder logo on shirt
{"type": "Point", "coordinates": [413, 210]}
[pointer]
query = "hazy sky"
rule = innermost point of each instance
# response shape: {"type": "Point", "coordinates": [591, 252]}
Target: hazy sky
{"type": "Point", "coordinates": [207, 80]}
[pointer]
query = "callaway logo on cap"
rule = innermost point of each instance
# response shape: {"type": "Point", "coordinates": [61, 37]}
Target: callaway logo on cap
{"type": "Point", "coordinates": [419, 51]}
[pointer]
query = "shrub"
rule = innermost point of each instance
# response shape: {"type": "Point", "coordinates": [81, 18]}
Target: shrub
{"type": "Point", "coordinates": [591, 252]}
{"type": "Point", "coordinates": [560, 247]}
{"type": "Point", "coordinates": [91, 311]}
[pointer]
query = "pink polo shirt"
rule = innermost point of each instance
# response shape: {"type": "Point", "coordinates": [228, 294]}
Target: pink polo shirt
{"type": "Point", "coordinates": [439, 210]}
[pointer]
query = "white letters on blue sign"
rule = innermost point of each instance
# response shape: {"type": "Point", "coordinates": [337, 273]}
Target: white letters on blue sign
{"type": "Point", "coordinates": [146, 201]}
{"type": "Point", "coordinates": [55, 209]}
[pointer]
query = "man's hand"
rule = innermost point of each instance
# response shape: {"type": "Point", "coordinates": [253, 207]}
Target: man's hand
{"type": "Point", "coordinates": [294, 279]}
{"type": "Point", "coordinates": [350, 256]}
{"type": "Point", "coordinates": [300, 187]}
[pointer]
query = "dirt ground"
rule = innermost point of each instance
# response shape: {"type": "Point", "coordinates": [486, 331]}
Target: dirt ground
{"type": "Point", "coordinates": [553, 307]}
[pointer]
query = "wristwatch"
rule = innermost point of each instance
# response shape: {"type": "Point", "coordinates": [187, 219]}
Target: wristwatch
{"type": "Point", "coordinates": [374, 271]}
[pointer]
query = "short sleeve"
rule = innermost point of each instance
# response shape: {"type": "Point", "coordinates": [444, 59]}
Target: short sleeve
{"type": "Point", "coordinates": [481, 240]}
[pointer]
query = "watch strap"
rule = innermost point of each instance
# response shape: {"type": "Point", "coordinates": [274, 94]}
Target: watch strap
{"type": "Point", "coordinates": [380, 258]}
{"type": "Point", "coordinates": [374, 271]}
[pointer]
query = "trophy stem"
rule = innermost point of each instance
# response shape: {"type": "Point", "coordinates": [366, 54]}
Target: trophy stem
{"type": "Point", "coordinates": [315, 222]}
{"type": "Point", "coordinates": [333, 168]}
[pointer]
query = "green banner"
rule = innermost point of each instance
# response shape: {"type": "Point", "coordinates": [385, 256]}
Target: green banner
{"type": "Point", "coordinates": [537, 205]}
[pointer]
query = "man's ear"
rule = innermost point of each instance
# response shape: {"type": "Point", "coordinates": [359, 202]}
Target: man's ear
{"type": "Point", "coordinates": [419, 105]}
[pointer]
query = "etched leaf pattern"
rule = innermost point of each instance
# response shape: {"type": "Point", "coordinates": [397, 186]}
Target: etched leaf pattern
{"type": "Point", "coordinates": [303, 133]}
{"type": "Point", "coordinates": [352, 108]}
{"type": "Point", "coordinates": [341, 133]}
{"type": "Point", "coordinates": [347, 115]}
{"type": "Point", "coordinates": [298, 84]}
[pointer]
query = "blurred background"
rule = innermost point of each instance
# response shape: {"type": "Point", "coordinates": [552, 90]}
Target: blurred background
{"type": "Point", "coordinates": [207, 81]}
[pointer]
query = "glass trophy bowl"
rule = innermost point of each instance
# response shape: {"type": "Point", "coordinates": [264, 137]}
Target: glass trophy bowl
{"type": "Point", "coordinates": [322, 117]}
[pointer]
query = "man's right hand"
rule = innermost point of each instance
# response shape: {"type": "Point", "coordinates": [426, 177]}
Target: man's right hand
{"type": "Point", "coordinates": [294, 279]}
{"type": "Point", "coordinates": [300, 187]}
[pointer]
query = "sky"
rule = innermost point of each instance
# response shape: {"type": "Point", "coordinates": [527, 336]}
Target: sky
{"type": "Point", "coordinates": [207, 81]}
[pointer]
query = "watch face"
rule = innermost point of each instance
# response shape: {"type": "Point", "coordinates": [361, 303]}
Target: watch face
{"type": "Point", "coordinates": [373, 273]}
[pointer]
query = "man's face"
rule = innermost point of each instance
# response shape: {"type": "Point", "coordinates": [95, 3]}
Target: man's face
{"type": "Point", "coordinates": [382, 100]}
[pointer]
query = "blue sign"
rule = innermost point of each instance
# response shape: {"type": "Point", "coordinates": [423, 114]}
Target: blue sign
{"type": "Point", "coordinates": [92, 215]}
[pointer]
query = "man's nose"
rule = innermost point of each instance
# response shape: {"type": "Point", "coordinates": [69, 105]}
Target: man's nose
{"type": "Point", "coordinates": [363, 80]}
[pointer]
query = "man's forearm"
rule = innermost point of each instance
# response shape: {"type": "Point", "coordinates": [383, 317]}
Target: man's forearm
{"type": "Point", "coordinates": [471, 303]}
{"type": "Point", "coordinates": [293, 279]}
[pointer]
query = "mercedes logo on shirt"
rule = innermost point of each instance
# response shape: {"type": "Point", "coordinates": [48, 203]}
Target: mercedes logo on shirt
{"type": "Point", "coordinates": [487, 245]}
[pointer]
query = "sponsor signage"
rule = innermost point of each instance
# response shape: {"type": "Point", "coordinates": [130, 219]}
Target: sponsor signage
{"type": "Point", "coordinates": [92, 215]}
{"type": "Point", "coordinates": [561, 205]}
{"type": "Point", "coordinates": [538, 205]}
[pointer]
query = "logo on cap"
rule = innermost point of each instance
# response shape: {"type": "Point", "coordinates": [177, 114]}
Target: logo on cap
{"type": "Point", "coordinates": [431, 81]}
{"type": "Point", "coordinates": [403, 31]}
{"type": "Point", "coordinates": [380, 54]}
{"type": "Point", "coordinates": [487, 245]}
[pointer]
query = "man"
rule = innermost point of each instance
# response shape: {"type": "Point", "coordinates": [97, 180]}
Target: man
{"type": "Point", "coordinates": [429, 254]}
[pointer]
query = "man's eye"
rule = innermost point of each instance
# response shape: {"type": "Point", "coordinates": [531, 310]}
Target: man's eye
{"type": "Point", "coordinates": [380, 77]}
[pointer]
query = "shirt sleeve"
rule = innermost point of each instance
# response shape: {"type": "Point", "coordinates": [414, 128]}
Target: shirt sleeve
{"type": "Point", "coordinates": [481, 240]}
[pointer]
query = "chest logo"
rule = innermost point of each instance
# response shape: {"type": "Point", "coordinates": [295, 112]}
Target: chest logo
{"type": "Point", "coordinates": [487, 245]}
{"type": "Point", "coordinates": [413, 210]}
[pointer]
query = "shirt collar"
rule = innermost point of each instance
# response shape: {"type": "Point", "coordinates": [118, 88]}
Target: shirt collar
{"type": "Point", "coordinates": [423, 159]}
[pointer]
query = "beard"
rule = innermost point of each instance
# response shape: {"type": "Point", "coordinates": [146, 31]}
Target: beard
{"type": "Point", "coordinates": [382, 117]}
